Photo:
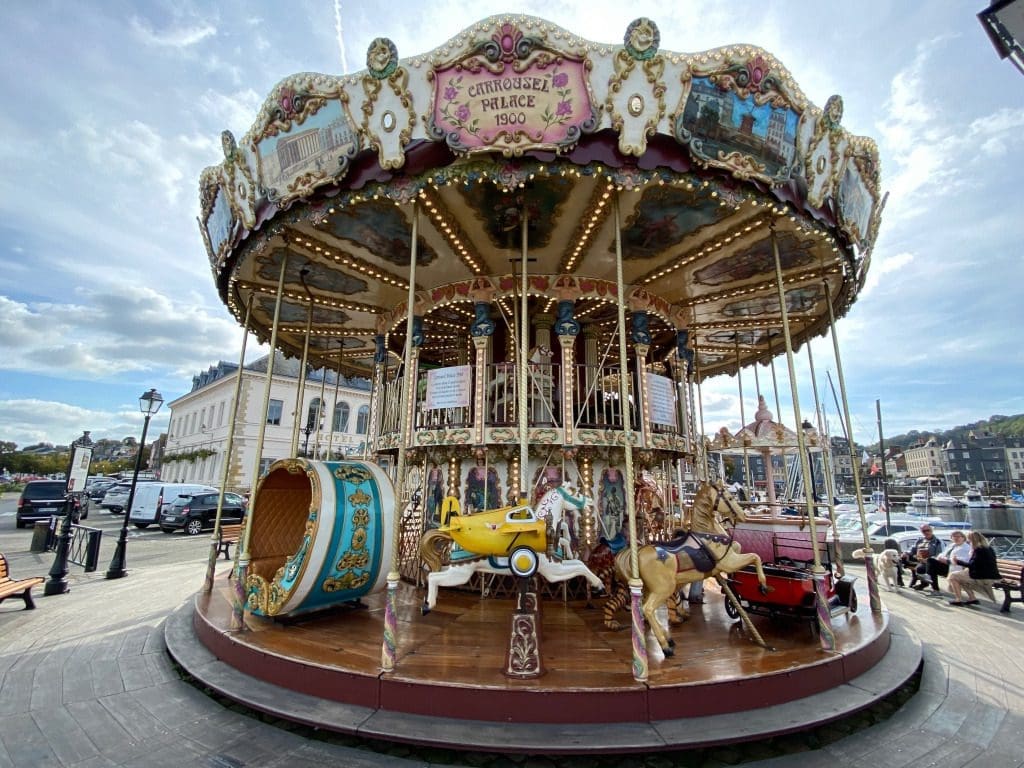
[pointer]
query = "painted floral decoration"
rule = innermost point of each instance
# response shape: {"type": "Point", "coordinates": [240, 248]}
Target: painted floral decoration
{"type": "Point", "coordinates": [456, 111]}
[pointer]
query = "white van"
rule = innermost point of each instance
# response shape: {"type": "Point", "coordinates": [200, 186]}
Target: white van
{"type": "Point", "coordinates": [151, 497]}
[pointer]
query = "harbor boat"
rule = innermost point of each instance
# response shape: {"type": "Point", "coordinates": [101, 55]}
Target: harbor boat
{"type": "Point", "coordinates": [974, 498]}
{"type": "Point", "coordinates": [943, 499]}
{"type": "Point", "coordinates": [919, 499]}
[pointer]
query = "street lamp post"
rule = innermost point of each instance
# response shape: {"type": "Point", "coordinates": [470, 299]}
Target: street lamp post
{"type": "Point", "coordinates": [58, 581]}
{"type": "Point", "coordinates": [149, 404]}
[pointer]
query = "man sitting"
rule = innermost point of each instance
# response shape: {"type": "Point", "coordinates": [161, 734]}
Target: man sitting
{"type": "Point", "coordinates": [926, 546]}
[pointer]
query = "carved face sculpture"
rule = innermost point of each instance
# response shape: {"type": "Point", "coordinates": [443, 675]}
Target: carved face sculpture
{"type": "Point", "coordinates": [834, 110]}
{"type": "Point", "coordinates": [380, 56]}
{"type": "Point", "coordinates": [642, 39]}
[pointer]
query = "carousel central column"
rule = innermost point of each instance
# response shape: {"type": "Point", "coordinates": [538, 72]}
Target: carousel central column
{"type": "Point", "coordinates": [567, 329]}
{"type": "Point", "coordinates": [641, 339]}
{"type": "Point", "coordinates": [481, 331]}
{"type": "Point", "coordinates": [380, 357]}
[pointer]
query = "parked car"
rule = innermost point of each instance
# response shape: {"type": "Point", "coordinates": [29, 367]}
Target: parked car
{"type": "Point", "coordinates": [116, 497]}
{"type": "Point", "coordinates": [42, 499]}
{"type": "Point", "coordinates": [96, 487]}
{"type": "Point", "coordinates": [150, 499]}
{"type": "Point", "coordinates": [197, 512]}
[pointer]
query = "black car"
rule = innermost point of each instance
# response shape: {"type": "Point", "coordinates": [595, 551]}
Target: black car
{"type": "Point", "coordinates": [43, 499]}
{"type": "Point", "coordinates": [198, 512]}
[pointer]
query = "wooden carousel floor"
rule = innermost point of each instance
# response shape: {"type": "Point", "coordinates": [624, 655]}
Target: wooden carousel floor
{"type": "Point", "coordinates": [450, 662]}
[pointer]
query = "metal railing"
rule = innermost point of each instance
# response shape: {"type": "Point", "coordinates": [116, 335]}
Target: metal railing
{"type": "Point", "coordinates": [83, 546]}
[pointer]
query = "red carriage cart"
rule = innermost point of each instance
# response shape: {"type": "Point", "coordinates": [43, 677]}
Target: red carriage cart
{"type": "Point", "coordinates": [785, 548]}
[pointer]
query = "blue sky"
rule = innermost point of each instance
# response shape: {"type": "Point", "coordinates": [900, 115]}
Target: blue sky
{"type": "Point", "coordinates": [113, 109]}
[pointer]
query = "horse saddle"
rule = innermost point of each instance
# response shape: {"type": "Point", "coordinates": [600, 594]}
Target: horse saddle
{"type": "Point", "coordinates": [692, 545]}
{"type": "Point", "coordinates": [616, 545]}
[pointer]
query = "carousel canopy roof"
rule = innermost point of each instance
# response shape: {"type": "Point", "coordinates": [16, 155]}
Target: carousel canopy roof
{"type": "Point", "coordinates": [697, 166]}
{"type": "Point", "coordinates": [763, 433]}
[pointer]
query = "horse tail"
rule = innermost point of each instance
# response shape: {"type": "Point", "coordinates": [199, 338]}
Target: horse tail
{"type": "Point", "coordinates": [434, 546]}
{"type": "Point", "coordinates": [624, 565]}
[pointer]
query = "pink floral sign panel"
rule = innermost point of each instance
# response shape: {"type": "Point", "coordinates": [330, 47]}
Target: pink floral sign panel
{"type": "Point", "coordinates": [544, 104]}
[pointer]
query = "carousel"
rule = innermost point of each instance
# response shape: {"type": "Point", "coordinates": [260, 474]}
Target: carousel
{"type": "Point", "coordinates": [536, 247]}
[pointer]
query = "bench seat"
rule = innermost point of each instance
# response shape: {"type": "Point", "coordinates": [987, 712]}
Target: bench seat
{"type": "Point", "coordinates": [1011, 579]}
{"type": "Point", "coordinates": [229, 534]}
{"type": "Point", "coordinates": [16, 587]}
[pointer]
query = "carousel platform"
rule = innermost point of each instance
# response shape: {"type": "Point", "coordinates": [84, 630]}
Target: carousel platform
{"type": "Point", "coordinates": [447, 688]}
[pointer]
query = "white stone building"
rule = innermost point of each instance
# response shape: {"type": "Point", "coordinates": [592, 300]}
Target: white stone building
{"type": "Point", "coordinates": [924, 460]}
{"type": "Point", "coordinates": [199, 421]}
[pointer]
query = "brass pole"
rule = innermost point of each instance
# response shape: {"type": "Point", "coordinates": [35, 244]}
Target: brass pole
{"type": "Point", "coordinates": [869, 559]}
{"type": "Point", "coordinates": [301, 391]}
{"type": "Point", "coordinates": [825, 634]}
{"type": "Point", "coordinates": [211, 563]}
{"type": "Point", "coordinates": [337, 386]}
{"type": "Point", "coordinates": [238, 603]}
{"type": "Point", "coordinates": [388, 650]}
{"type": "Point", "coordinates": [640, 667]}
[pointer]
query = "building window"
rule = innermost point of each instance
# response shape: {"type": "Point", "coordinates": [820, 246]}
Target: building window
{"type": "Point", "coordinates": [340, 421]}
{"type": "Point", "coordinates": [265, 465]}
{"type": "Point", "coordinates": [220, 414]}
{"type": "Point", "coordinates": [363, 420]}
{"type": "Point", "coordinates": [313, 414]}
{"type": "Point", "coordinates": [274, 411]}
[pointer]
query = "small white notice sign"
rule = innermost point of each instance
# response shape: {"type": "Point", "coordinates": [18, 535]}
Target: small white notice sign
{"type": "Point", "coordinates": [661, 399]}
{"type": "Point", "coordinates": [450, 387]}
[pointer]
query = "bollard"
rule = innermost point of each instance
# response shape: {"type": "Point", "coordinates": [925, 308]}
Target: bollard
{"type": "Point", "coordinates": [40, 536]}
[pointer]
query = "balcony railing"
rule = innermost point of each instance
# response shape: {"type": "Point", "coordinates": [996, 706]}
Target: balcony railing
{"type": "Point", "coordinates": [594, 392]}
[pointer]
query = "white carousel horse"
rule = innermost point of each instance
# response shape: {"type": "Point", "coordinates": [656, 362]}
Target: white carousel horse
{"type": "Point", "coordinates": [707, 550]}
{"type": "Point", "coordinates": [557, 508]}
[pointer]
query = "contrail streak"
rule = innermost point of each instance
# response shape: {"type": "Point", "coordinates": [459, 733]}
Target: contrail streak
{"type": "Point", "coordinates": [341, 35]}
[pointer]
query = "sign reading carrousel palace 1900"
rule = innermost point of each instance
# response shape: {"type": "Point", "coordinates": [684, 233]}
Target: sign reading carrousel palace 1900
{"type": "Point", "coordinates": [512, 93]}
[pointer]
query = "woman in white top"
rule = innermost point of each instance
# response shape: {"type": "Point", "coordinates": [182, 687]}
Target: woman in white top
{"type": "Point", "coordinates": [954, 559]}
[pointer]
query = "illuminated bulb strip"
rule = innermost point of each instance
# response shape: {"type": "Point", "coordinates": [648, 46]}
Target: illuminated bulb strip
{"type": "Point", "coordinates": [691, 256]}
{"type": "Point", "coordinates": [597, 210]}
{"type": "Point", "coordinates": [343, 258]}
{"type": "Point", "coordinates": [450, 231]}
{"type": "Point", "coordinates": [318, 301]}
{"type": "Point", "coordinates": [811, 275]}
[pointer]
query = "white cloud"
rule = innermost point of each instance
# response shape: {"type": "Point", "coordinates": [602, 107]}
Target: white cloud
{"type": "Point", "coordinates": [108, 334]}
{"type": "Point", "coordinates": [175, 37]}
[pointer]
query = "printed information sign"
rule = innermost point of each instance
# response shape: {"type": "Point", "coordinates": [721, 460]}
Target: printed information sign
{"type": "Point", "coordinates": [449, 387]}
{"type": "Point", "coordinates": [661, 399]}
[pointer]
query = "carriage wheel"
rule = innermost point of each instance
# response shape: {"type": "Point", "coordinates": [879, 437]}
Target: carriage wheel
{"type": "Point", "coordinates": [730, 609]}
{"type": "Point", "coordinates": [523, 562]}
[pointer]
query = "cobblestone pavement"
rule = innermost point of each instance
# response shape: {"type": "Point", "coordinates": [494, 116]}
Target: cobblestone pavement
{"type": "Point", "coordinates": [87, 682]}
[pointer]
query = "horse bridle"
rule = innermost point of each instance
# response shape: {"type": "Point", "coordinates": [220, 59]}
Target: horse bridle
{"type": "Point", "coordinates": [720, 494]}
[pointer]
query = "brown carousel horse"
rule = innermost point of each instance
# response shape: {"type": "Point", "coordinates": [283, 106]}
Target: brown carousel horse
{"type": "Point", "coordinates": [707, 550]}
{"type": "Point", "coordinates": [651, 508]}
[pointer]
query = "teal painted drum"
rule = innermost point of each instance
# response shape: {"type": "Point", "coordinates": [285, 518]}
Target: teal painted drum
{"type": "Point", "coordinates": [321, 535]}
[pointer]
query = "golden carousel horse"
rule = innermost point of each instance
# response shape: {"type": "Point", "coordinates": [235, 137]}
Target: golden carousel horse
{"type": "Point", "coordinates": [707, 550]}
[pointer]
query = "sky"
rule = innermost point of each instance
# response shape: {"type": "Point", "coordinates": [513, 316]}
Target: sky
{"type": "Point", "coordinates": [114, 107]}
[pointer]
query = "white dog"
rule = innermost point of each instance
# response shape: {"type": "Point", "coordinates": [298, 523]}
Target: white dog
{"type": "Point", "coordinates": [886, 565]}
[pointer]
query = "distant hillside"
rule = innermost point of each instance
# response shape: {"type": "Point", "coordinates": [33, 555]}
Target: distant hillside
{"type": "Point", "coordinates": [1007, 426]}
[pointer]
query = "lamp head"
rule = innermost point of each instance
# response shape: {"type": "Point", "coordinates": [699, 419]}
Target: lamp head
{"type": "Point", "coordinates": [150, 402]}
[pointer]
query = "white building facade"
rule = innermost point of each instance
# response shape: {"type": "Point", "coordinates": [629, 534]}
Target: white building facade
{"type": "Point", "coordinates": [924, 460]}
{"type": "Point", "coordinates": [333, 415]}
